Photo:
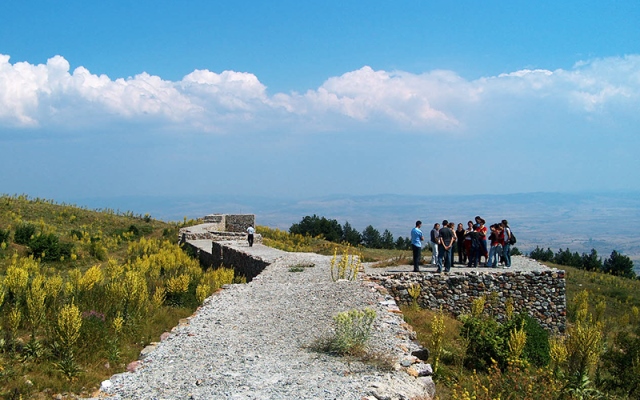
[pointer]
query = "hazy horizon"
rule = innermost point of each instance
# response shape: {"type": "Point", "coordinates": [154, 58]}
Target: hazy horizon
{"type": "Point", "coordinates": [578, 221]}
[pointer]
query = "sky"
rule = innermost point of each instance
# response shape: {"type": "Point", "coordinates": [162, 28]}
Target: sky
{"type": "Point", "coordinates": [295, 99]}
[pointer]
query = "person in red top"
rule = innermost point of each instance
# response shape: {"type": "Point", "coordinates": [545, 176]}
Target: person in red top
{"type": "Point", "coordinates": [497, 240]}
{"type": "Point", "coordinates": [482, 231]}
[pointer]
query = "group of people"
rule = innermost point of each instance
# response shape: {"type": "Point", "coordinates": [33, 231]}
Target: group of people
{"type": "Point", "coordinates": [471, 244]}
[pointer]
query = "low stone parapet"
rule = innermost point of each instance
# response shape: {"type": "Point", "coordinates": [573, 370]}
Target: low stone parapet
{"type": "Point", "coordinates": [541, 294]}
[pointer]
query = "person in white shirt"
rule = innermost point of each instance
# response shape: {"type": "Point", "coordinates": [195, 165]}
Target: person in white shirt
{"type": "Point", "coordinates": [250, 232]}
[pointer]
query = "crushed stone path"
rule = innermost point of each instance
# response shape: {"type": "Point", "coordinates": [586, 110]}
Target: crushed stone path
{"type": "Point", "coordinates": [251, 341]}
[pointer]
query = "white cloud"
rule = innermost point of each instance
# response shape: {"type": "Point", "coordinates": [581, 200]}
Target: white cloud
{"type": "Point", "coordinates": [49, 94]}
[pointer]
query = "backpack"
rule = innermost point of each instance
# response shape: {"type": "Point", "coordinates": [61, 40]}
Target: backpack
{"type": "Point", "coordinates": [475, 240]}
{"type": "Point", "coordinates": [512, 238]}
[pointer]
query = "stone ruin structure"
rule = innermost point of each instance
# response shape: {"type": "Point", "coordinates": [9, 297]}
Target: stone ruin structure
{"type": "Point", "coordinates": [541, 294]}
{"type": "Point", "coordinates": [220, 227]}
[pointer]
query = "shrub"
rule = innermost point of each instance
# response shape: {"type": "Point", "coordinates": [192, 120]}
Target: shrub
{"type": "Point", "coordinates": [4, 236]}
{"type": "Point", "coordinates": [97, 250]}
{"type": "Point", "coordinates": [49, 248]}
{"type": "Point", "coordinates": [352, 331]}
{"type": "Point", "coordinates": [488, 340]}
{"type": "Point", "coordinates": [485, 344]}
{"type": "Point", "coordinates": [536, 350]}
{"type": "Point", "coordinates": [74, 233]}
{"type": "Point", "coordinates": [347, 267]}
{"type": "Point", "coordinates": [24, 233]}
{"type": "Point", "coordinates": [622, 360]}
{"type": "Point", "coordinates": [134, 230]}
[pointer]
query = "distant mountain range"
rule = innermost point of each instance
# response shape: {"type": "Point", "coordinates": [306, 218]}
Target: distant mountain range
{"type": "Point", "coordinates": [579, 221]}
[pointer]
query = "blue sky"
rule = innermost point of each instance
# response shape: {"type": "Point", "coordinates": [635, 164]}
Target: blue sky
{"type": "Point", "coordinates": [297, 99]}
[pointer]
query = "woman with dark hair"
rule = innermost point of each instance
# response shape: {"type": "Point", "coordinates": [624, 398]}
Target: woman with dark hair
{"type": "Point", "coordinates": [467, 240]}
{"type": "Point", "coordinates": [462, 256]}
{"type": "Point", "coordinates": [482, 232]}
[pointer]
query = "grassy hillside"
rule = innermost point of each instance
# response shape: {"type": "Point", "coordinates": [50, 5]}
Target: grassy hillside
{"type": "Point", "coordinates": [83, 291]}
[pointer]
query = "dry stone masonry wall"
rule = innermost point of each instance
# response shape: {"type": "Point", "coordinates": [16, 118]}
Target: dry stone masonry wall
{"type": "Point", "coordinates": [242, 263]}
{"type": "Point", "coordinates": [541, 294]}
{"type": "Point", "coordinates": [219, 227]}
{"type": "Point", "coordinates": [230, 222]}
{"type": "Point", "coordinates": [222, 255]}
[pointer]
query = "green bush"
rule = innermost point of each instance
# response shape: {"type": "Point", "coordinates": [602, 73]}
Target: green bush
{"type": "Point", "coordinates": [74, 233]}
{"type": "Point", "coordinates": [536, 351]}
{"type": "Point", "coordinates": [4, 236]}
{"type": "Point", "coordinates": [48, 247]}
{"type": "Point", "coordinates": [97, 250]}
{"type": "Point", "coordinates": [485, 343]}
{"type": "Point", "coordinates": [24, 233]}
{"type": "Point", "coordinates": [488, 341]}
{"type": "Point", "coordinates": [622, 361]}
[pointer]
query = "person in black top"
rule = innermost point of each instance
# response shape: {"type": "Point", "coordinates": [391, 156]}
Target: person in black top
{"type": "Point", "coordinates": [462, 256]}
{"type": "Point", "coordinates": [435, 239]}
{"type": "Point", "coordinates": [444, 249]}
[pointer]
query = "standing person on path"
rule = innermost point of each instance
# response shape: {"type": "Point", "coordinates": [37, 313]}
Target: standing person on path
{"type": "Point", "coordinates": [467, 241]}
{"type": "Point", "coordinates": [506, 247]}
{"type": "Point", "coordinates": [460, 243]}
{"type": "Point", "coordinates": [250, 232]}
{"type": "Point", "coordinates": [482, 231]}
{"type": "Point", "coordinates": [496, 245]}
{"type": "Point", "coordinates": [435, 235]}
{"type": "Point", "coordinates": [446, 243]}
{"type": "Point", "coordinates": [416, 245]}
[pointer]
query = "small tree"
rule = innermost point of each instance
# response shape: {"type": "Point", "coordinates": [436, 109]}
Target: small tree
{"type": "Point", "coordinates": [541, 255]}
{"type": "Point", "coordinates": [403, 243]}
{"type": "Point", "coordinates": [566, 257]}
{"type": "Point", "coordinates": [315, 226]}
{"type": "Point", "coordinates": [619, 265]}
{"type": "Point", "coordinates": [350, 235]}
{"type": "Point", "coordinates": [371, 237]}
{"type": "Point", "coordinates": [591, 261]}
{"type": "Point", "coordinates": [387, 240]}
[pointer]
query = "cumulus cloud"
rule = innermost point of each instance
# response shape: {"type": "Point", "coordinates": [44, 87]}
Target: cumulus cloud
{"type": "Point", "coordinates": [436, 101]}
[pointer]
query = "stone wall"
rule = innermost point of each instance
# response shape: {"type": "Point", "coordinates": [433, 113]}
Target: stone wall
{"type": "Point", "coordinates": [230, 222]}
{"type": "Point", "coordinates": [218, 221]}
{"type": "Point", "coordinates": [219, 236]}
{"type": "Point", "coordinates": [239, 222]}
{"type": "Point", "coordinates": [541, 294]}
{"type": "Point", "coordinates": [221, 255]}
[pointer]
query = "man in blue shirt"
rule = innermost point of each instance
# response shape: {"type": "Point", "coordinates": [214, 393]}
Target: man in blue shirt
{"type": "Point", "coordinates": [416, 244]}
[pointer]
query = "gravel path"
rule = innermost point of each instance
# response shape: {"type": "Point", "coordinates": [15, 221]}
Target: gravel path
{"type": "Point", "coordinates": [251, 342]}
